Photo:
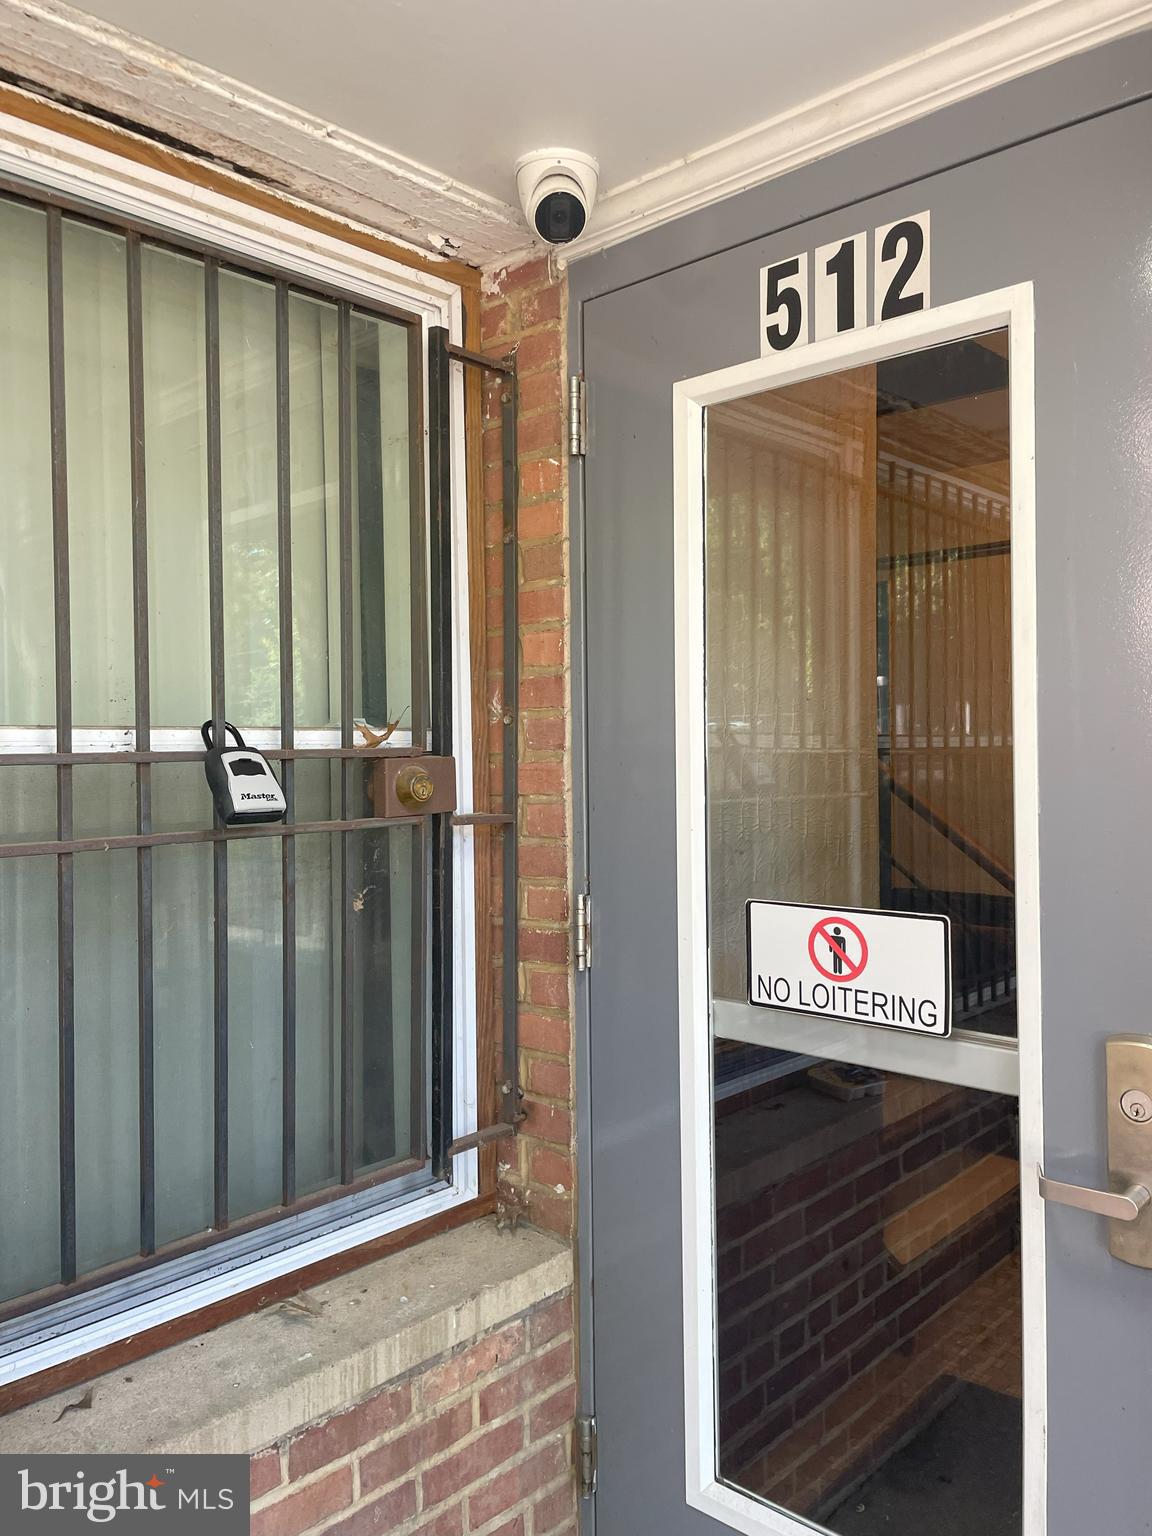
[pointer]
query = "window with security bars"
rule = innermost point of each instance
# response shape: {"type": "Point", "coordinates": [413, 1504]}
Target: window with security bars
{"type": "Point", "coordinates": [214, 506]}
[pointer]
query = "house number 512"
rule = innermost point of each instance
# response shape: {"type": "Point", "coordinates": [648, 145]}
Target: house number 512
{"type": "Point", "coordinates": [791, 315]}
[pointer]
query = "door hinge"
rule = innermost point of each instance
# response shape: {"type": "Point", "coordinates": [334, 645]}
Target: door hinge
{"type": "Point", "coordinates": [586, 1454]}
{"type": "Point", "coordinates": [582, 942]}
{"type": "Point", "coordinates": [577, 415]}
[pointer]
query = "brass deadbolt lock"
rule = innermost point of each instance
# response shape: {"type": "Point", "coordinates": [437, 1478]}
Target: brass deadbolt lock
{"type": "Point", "coordinates": [414, 788]}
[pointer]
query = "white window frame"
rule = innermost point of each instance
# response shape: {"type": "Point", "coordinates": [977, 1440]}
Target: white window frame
{"type": "Point", "coordinates": [54, 162]}
{"type": "Point", "coordinates": [964, 1058]}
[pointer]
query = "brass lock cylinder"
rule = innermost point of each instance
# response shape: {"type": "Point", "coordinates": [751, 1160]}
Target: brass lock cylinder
{"type": "Point", "coordinates": [414, 788]}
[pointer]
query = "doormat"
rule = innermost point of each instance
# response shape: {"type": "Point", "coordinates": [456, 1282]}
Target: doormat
{"type": "Point", "coordinates": [959, 1476]}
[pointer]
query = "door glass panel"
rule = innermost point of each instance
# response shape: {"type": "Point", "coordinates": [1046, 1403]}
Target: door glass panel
{"type": "Point", "coordinates": [859, 753]}
{"type": "Point", "coordinates": [867, 1232]}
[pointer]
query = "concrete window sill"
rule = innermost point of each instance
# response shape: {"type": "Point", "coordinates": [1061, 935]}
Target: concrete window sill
{"type": "Point", "coordinates": [255, 1380]}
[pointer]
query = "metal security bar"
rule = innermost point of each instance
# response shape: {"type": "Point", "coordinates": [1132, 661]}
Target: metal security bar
{"type": "Point", "coordinates": [945, 737]}
{"type": "Point", "coordinates": [442, 354]}
{"type": "Point", "coordinates": [429, 1145]}
{"type": "Point", "coordinates": [65, 873]}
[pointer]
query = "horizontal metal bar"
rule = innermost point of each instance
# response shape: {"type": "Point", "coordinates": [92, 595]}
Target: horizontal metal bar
{"type": "Point", "coordinates": [944, 556]}
{"type": "Point", "coordinates": [966, 1058]}
{"type": "Point", "coordinates": [478, 360]}
{"type": "Point", "coordinates": [483, 819]}
{"type": "Point", "coordinates": [185, 1246]}
{"type": "Point", "coordinates": [276, 754]}
{"type": "Point", "coordinates": [198, 835]}
{"type": "Point", "coordinates": [499, 1132]}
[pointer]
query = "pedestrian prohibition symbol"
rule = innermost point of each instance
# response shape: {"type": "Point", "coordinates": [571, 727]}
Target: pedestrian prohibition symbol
{"type": "Point", "coordinates": [843, 940]}
{"type": "Point", "coordinates": [892, 969]}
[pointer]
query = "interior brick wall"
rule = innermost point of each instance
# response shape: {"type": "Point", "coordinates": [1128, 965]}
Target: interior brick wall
{"type": "Point", "coordinates": [524, 311]}
{"type": "Point", "coordinates": [812, 1295]}
{"type": "Point", "coordinates": [477, 1442]}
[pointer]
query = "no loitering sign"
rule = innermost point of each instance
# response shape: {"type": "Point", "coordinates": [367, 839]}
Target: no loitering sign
{"type": "Point", "coordinates": [892, 969]}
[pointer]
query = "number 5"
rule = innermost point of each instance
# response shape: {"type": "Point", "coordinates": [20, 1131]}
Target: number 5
{"type": "Point", "coordinates": [784, 287]}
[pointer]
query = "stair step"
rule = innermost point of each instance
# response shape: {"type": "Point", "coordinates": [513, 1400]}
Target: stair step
{"type": "Point", "coordinates": [937, 1216]}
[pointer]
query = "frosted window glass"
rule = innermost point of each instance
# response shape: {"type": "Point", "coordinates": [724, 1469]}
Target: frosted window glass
{"type": "Point", "coordinates": [255, 1083]}
{"type": "Point", "coordinates": [99, 482]}
{"type": "Point", "coordinates": [182, 930]}
{"type": "Point", "coordinates": [107, 1060]}
{"type": "Point", "coordinates": [248, 496]}
{"type": "Point", "coordinates": [27, 686]}
{"type": "Point", "coordinates": [314, 400]}
{"type": "Point", "coordinates": [175, 436]}
{"type": "Point", "coordinates": [382, 597]}
{"type": "Point", "coordinates": [29, 1087]}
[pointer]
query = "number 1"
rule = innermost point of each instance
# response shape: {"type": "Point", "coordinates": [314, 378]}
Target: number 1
{"type": "Point", "coordinates": [841, 294]}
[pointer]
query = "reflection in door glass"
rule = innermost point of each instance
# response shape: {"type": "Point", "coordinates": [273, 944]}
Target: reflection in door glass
{"type": "Point", "coordinates": [859, 708]}
{"type": "Point", "coordinates": [867, 1232]}
{"type": "Point", "coordinates": [859, 676]}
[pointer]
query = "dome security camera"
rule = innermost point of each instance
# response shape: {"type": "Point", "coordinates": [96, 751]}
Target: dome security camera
{"type": "Point", "coordinates": [557, 190]}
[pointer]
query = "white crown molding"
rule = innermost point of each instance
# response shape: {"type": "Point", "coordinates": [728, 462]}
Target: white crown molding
{"type": "Point", "coordinates": [50, 47]}
{"type": "Point", "coordinates": [1027, 39]}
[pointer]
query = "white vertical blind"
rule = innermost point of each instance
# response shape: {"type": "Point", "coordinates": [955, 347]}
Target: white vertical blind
{"type": "Point", "coordinates": [791, 682]}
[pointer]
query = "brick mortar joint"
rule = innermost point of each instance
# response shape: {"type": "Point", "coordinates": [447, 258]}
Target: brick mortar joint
{"type": "Point", "coordinates": [530, 1500]}
{"type": "Point", "coordinates": [409, 1377]}
{"type": "Point", "coordinates": [521, 1411]}
{"type": "Point", "coordinates": [415, 1476]}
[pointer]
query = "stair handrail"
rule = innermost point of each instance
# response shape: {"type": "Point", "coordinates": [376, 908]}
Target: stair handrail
{"type": "Point", "coordinates": [968, 846]}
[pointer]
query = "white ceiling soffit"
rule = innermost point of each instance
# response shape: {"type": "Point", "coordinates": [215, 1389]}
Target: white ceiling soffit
{"type": "Point", "coordinates": [69, 53]}
{"type": "Point", "coordinates": [1026, 39]}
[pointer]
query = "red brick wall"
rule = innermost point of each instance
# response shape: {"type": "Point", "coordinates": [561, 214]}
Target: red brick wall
{"type": "Point", "coordinates": [476, 1441]}
{"type": "Point", "coordinates": [524, 310]}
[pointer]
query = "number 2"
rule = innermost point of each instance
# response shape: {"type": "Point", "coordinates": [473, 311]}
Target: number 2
{"type": "Point", "coordinates": [902, 266]}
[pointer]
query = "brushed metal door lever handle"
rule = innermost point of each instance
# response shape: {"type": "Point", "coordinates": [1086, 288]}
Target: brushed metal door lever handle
{"type": "Point", "coordinates": [1101, 1202]}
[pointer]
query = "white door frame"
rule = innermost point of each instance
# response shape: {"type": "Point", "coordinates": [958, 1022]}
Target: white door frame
{"type": "Point", "coordinates": [966, 1059]}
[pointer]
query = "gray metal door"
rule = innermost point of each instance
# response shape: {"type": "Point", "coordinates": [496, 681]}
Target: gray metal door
{"type": "Point", "coordinates": [1066, 212]}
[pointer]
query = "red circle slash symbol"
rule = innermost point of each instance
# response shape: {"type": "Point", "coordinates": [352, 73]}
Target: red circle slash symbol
{"type": "Point", "coordinates": [841, 966]}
